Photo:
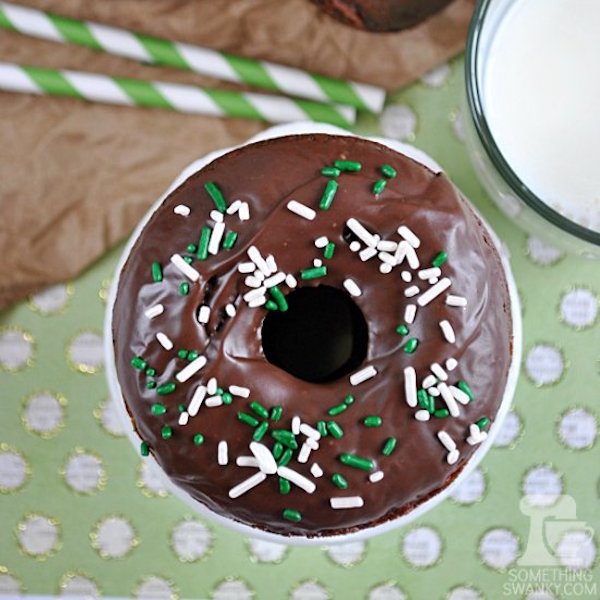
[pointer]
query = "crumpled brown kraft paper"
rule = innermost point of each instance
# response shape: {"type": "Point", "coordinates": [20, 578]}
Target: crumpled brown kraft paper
{"type": "Point", "coordinates": [76, 177]}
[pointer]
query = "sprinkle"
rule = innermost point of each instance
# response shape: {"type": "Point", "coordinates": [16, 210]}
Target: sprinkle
{"type": "Point", "coordinates": [215, 238]}
{"type": "Point", "coordinates": [346, 502]}
{"type": "Point", "coordinates": [247, 484]}
{"type": "Point", "coordinates": [461, 385]}
{"type": "Point", "coordinates": [234, 207]}
{"type": "Point", "coordinates": [389, 446]}
{"type": "Point", "coordinates": [388, 258]}
{"type": "Point", "coordinates": [270, 305]}
{"type": "Point", "coordinates": [236, 390]}
{"type": "Point", "coordinates": [294, 477]}
{"type": "Point", "coordinates": [196, 400]}
{"type": "Point", "coordinates": [290, 281]}
{"type": "Point", "coordinates": [246, 267]}
{"type": "Point", "coordinates": [154, 311]}
{"type": "Point", "coordinates": [230, 310]}
{"type": "Point", "coordinates": [260, 431]}
{"type": "Point", "coordinates": [287, 438]}
{"type": "Point", "coordinates": [433, 392]}
{"type": "Point", "coordinates": [361, 232]}
{"type": "Point", "coordinates": [276, 413]}
{"type": "Point", "coordinates": [348, 165]}
{"type": "Point", "coordinates": [217, 196]}
{"type": "Point", "coordinates": [156, 272]}
{"type": "Point", "coordinates": [388, 171]}
{"type": "Point", "coordinates": [434, 291]}
{"type": "Point", "coordinates": [246, 461]}
{"type": "Point", "coordinates": [296, 422]}
{"type": "Point", "coordinates": [198, 439]}
{"type": "Point", "coordinates": [313, 273]}
{"type": "Point", "coordinates": [222, 453]}
{"type": "Point", "coordinates": [211, 386]}
{"type": "Point", "coordinates": [151, 385]}
{"type": "Point", "coordinates": [451, 364]}
{"type": "Point", "coordinates": [309, 431]}
{"type": "Point", "coordinates": [483, 422]}
{"type": "Point", "coordinates": [452, 456]}
{"type": "Point", "coordinates": [422, 415]}
{"type": "Point", "coordinates": [270, 260]}
{"type": "Point", "coordinates": [446, 440]}
{"type": "Point", "coordinates": [164, 341]}
{"type": "Point", "coordinates": [335, 430]}
{"type": "Point", "coordinates": [459, 395]}
{"type": "Point", "coordinates": [322, 428]}
{"type": "Point", "coordinates": [316, 470]}
{"type": "Point", "coordinates": [204, 314]}
{"type": "Point", "coordinates": [301, 210]}
{"type": "Point", "coordinates": [321, 242]}
{"type": "Point", "coordinates": [410, 312]}
{"type": "Point", "coordinates": [328, 195]}
{"type": "Point", "coordinates": [285, 458]}
{"type": "Point", "coordinates": [257, 302]}
{"type": "Point", "coordinates": [274, 280]}
{"type": "Point", "coordinates": [352, 287]}
{"type": "Point", "coordinates": [349, 399]}
{"type": "Point", "coordinates": [144, 448]}
{"type": "Point", "coordinates": [304, 453]}
{"type": "Point", "coordinates": [329, 250]}
{"type": "Point", "coordinates": [413, 290]}
{"type": "Point", "coordinates": [357, 462]}
{"type": "Point", "coordinates": [150, 372]}
{"type": "Point", "coordinates": [425, 401]}
{"type": "Point", "coordinates": [437, 370]}
{"type": "Point", "coordinates": [379, 186]}
{"type": "Point", "coordinates": [190, 369]}
{"type": "Point", "coordinates": [411, 345]}
{"type": "Point", "coordinates": [448, 331]}
{"type": "Point", "coordinates": [455, 300]}
{"type": "Point", "coordinates": [336, 410]}
{"type": "Point", "coordinates": [429, 381]}
{"type": "Point", "coordinates": [409, 236]}
{"type": "Point", "coordinates": [158, 409]}
{"type": "Point", "coordinates": [244, 212]}
{"type": "Point", "coordinates": [285, 487]}
{"type": "Point", "coordinates": [227, 398]}
{"type": "Point", "coordinates": [367, 253]}
{"type": "Point", "coordinates": [254, 294]}
{"type": "Point", "coordinates": [259, 409]}
{"type": "Point", "coordinates": [375, 477]}
{"type": "Point", "coordinates": [138, 363]}
{"type": "Point", "coordinates": [188, 271]}
{"type": "Point", "coordinates": [213, 402]}
{"type": "Point", "coordinates": [410, 385]}
{"type": "Point", "coordinates": [292, 515]}
{"type": "Point", "coordinates": [429, 273]}
{"type": "Point", "coordinates": [277, 450]}
{"type": "Point", "coordinates": [441, 413]}
{"type": "Point", "coordinates": [216, 216]}
{"type": "Point", "coordinates": [248, 419]}
{"type": "Point", "coordinates": [182, 209]}
{"type": "Point", "coordinates": [385, 268]}
{"type": "Point", "coordinates": [354, 246]}
{"type": "Point", "coordinates": [433, 280]}
{"type": "Point", "coordinates": [166, 432]}
{"type": "Point", "coordinates": [363, 375]}
{"type": "Point", "coordinates": [440, 259]}
{"type": "Point", "coordinates": [317, 262]}
{"type": "Point", "coordinates": [279, 298]}
{"type": "Point", "coordinates": [229, 241]}
{"type": "Point", "coordinates": [184, 418]}
{"type": "Point", "coordinates": [449, 399]}
{"type": "Point", "coordinates": [330, 172]}
{"type": "Point", "coordinates": [409, 253]}
{"type": "Point", "coordinates": [256, 257]}
{"type": "Point", "coordinates": [372, 421]}
{"type": "Point", "coordinates": [406, 276]}
{"type": "Point", "coordinates": [266, 461]}
{"type": "Point", "coordinates": [184, 288]}
{"type": "Point", "coordinates": [339, 481]}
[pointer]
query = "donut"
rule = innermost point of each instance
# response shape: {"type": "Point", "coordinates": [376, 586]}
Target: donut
{"type": "Point", "coordinates": [312, 334]}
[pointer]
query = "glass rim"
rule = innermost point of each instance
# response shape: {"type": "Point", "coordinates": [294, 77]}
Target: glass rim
{"type": "Point", "coordinates": [474, 100]}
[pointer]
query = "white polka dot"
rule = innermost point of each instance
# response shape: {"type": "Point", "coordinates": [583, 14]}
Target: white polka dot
{"type": "Point", "coordinates": [310, 591]}
{"type": "Point", "coordinates": [80, 586]}
{"type": "Point", "coordinates": [422, 547]}
{"type": "Point", "coordinates": [152, 480]}
{"type": "Point", "coordinates": [509, 431]}
{"type": "Point", "coordinates": [9, 585]}
{"type": "Point", "coordinates": [43, 413]}
{"type": "Point", "coordinates": [232, 590]}
{"type": "Point", "coordinates": [264, 551]}
{"type": "Point", "coordinates": [436, 77]}
{"type": "Point", "coordinates": [38, 535]}
{"type": "Point", "coordinates": [578, 429]}
{"type": "Point", "coordinates": [542, 486]}
{"type": "Point", "coordinates": [471, 489]}
{"type": "Point", "coordinates": [458, 125]}
{"type": "Point", "coordinates": [346, 554]}
{"type": "Point", "coordinates": [16, 349]}
{"type": "Point", "coordinates": [84, 473]}
{"type": "Point", "coordinates": [544, 364]}
{"type": "Point", "coordinates": [114, 537]}
{"type": "Point", "coordinates": [398, 121]}
{"type": "Point", "coordinates": [86, 352]}
{"type": "Point", "coordinates": [576, 550]}
{"type": "Point", "coordinates": [13, 469]}
{"type": "Point", "coordinates": [542, 253]}
{"type": "Point", "coordinates": [190, 540]}
{"type": "Point", "coordinates": [155, 588]}
{"type": "Point", "coordinates": [579, 308]}
{"type": "Point", "coordinates": [109, 418]}
{"type": "Point", "coordinates": [387, 591]}
{"type": "Point", "coordinates": [464, 593]}
{"type": "Point", "coordinates": [499, 548]}
{"type": "Point", "coordinates": [51, 300]}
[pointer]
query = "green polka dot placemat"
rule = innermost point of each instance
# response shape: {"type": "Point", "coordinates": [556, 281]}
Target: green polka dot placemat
{"type": "Point", "coordinates": [81, 513]}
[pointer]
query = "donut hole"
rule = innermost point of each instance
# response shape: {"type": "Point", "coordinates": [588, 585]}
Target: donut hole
{"type": "Point", "coordinates": [321, 337]}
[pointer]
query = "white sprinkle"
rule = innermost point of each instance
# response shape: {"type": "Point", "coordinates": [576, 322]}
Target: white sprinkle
{"type": "Point", "coordinates": [222, 453]}
{"type": "Point", "coordinates": [234, 207]}
{"type": "Point", "coordinates": [406, 276]}
{"type": "Point", "coordinates": [321, 242]}
{"type": "Point", "coordinates": [459, 394]}
{"type": "Point", "coordinates": [434, 291]}
{"type": "Point", "coordinates": [446, 440]}
{"type": "Point", "coordinates": [182, 209]}
{"type": "Point", "coordinates": [312, 443]}
{"type": "Point", "coordinates": [290, 281]}
{"type": "Point", "coordinates": [270, 260]}
{"type": "Point", "coordinates": [448, 331]}
{"type": "Point", "coordinates": [361, 232]}
{"type": "Point", "coordinates": [428, 381]}
{"type": "Point", "coordinates": [196, 401]}
{"type": "Point", "coordinates": [246, 461]}
{"type": "Point", "coordinates": [433, 280]}
{"type": "Point", "coordinates": [154, 311]}
{"type": "Point", "coordinates": [422, 415]}
{"type": "Point", "coordinates": [448, 399]}
{"type": "Point", "coordinates": [238, 390]}
{"type": "Point", "coordinates": [256, 293]}
{"type": "Point", "coordinates": [437, 370]}
{"type": "Point", "coordinates": [309, 431]}
{"type": "Point", "coordinates": [411, 291]}
{"type": "Point", "coordinates": [246, 267]}
{"type": "Point", "coordinates": [274, 280]}
{"type": "Point", "coordinates": [451, 364]}
{"type": "Point", "coordinates": [456, 300]}
{"type": "Point", "coordinates": [452, 456]}
{"type": "Point", "coordinates": [247, 485]}
{"type": "Point", "coordinates": [256, 257]}
{"type": "Point", "coordinates": [164, 341]}
{"type": "Point", "coordinates": [433, 391]}
{"type": "Point", "coordinates": [388, 258]}
{"type": "Point", "coordinates": [410, 386]}
{"type": "Point", "coordinates": [230, 310]}
{"type": "Point", "coordinates": [347, 502]}
{"type": "Point", "coordinates": [317, 262]}
{"type": "Point", "coordinates": [302, 482]}
{"type": "Point", "coordinates": [213, 402]}
{"type": "Point", "coordinates": [375, 477]}
{"type": "Point", "coordinates": [367, 253]}
{"type": "Point", "coordinates": [188, 271]}
{"type": "Point", "coordinates": [477, 436]}
{"type": "Point", "coordinates": [296, 422]}
{"type": "Point", "coordinates": [409, 236]}
{"type": "Point", "coordinates": [410, 312]}
{"type": "Point", "coordinates": [216, 216]}
{"type": "Point", "coordinates": [352, 287]}
{"type": "Point", "coordinates": [252, 281]}
{"type": "Point", "coordinates": [362, 375]}
{"type": "Point", "coordinates": [184, 418]}
{"type": "Point", "coordinates": [301, 210]}
{"type": "Point", "coordinates": [385, 268]}
{"type": "Point", "coordinates": [211, 386]}
{"type": "Point", "coordinates": [266, 462]}
{"type": "Point", "coordinates": [204, 314]}
{"type": "Point", "coordinates": [244, 212]}
{"type": "Point", "coordinates": [190, 369]}
{"type": "Point", "coordinates": [304, 453]}
{"type": "Point", "coordinates": [215, 238]}
{"type": "Point", "coordinates": [412, 258]}
{"type": "Point", "coordinates": [429, 273]}
{"type": "Point", "coordinates": [316, 470]}
{"type": "Point", "coordinates": [354, 246]}
{"type": "Point", "coordinates": [257, 302]}
{"type": "Point", "coordinates": [377, 238]}
{"type": "Point", "coordinates": [387, 246]}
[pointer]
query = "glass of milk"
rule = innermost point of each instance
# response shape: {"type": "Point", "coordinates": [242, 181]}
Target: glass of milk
{"type": "Point", "coordinates": [533, 94]}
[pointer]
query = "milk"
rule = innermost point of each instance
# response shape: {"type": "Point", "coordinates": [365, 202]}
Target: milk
{"type": "Point", "coordinates": [541, 96]}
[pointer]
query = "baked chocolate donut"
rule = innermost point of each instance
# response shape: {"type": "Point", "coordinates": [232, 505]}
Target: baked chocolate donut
{"type": "Point", "coordinates": [312, 334]}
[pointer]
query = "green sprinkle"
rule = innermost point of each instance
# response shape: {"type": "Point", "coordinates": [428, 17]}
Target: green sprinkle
{"type": "Point", "coordinates": [181, 408]}
{"type": "Point", "coordinates": [191, 248]}
{"type": "Point", "coordinates": [248, 419]}
{"type": "Point", "coordinates": [483, 423]}
{"type": "Point", "coordinates": [426, 401]}
{"type": "Point", "coordinates": [287, 438]}
{"type": "Point", "coordinates": [144, 449]}
{"type": "Point", "coordinates": [157, 274]}
{"type": "Point", "coordinates": [284, 486]}
{"type": "Point", "coordinates": [461, 385]}
{"type": "Point", "coordinates": [184, 288]}
{"type": "Point", "coordinates": [379, 186]}
{"type": "Point", "coordinates": [336, 410]}
{"type": "Point", "coordinates": [357, 462]}
{"type": "Point", "coordinates": [260, 431]}
{"type": "Point", "coordinates": [389, 446]}
{"type": "Point", "coordinates": [329, 250]}
{"type": "Point", "coordinates": [217, 196]}
{"type": "Point", "coordinates": [388, 171]}
{"type": "Point", "coordinates": [285, 458]}
{"type": "Point", "coordinates": [198, 439]}
{"type": "Point", "coordinates": [402, 329]}
{"type": "Point", "coordinates": [193, 355]}
{"type": "Point", "coordinates": [441, 413]}
{"type": "Point", "coordinates": [270, 305]}
{"type": "Point", "coordinates": [158, 409]}
{"type": "Point", "coordinates": [183, 354]}
{"type": "Point", "coordinates": [188, 259]}
{"type": "Point", "coordinates": [292, 515]}
{"type": "Point", "coordinates": [331, 172]}
{"type": "Point", "coordinates": [202, 253]}
{"type": "Point", "coordinates": [138, 363]}
{"type": "Point", "coordinates": [411, 345]}
{"type": "Point", "coordinates": [313, 273]}
{"type": "Point", "coordinates": [348, 165]}
{"type": "Point", "coordinates": [227, 398]}
{"type": "Point", "coordinates": [166, 432]}
{"type": "Point", "coordinates": [339, 481]}
{"type": "Point", "coordinates": [335, 430]}
{"type": "Point", "coordinates": [259, 409]}
{"type": "Point", "coordinates": [279, 298]}
{"type": "Point", "coordinates": [277, 450]}
{"type": "Point", "coordinates": [322, 428]}
{"type": "Point", "coordinates": [230, 240]}
{"type": "Point", "coordinates": [328, 194]}
{"type": "Point", "coordinates": [151, 372]}
{"type": "Point", "coordinates": [372, 421]}
{"type": "Point", "coordinates": [151, 385]}
{"type": "Point", "coordinates": [349, 399]}
{"type": "Point", "coordinates": [165, 388]}
{"type": "Point", "coordinates": [276, 413]}
{"type": "Point", "coordinates": [440, 259]}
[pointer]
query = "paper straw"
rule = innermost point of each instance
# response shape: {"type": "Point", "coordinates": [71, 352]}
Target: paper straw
{"type": "Point", "coordinates": [205, 61]}
{"type": "Point", "coordinates": [173, 96]}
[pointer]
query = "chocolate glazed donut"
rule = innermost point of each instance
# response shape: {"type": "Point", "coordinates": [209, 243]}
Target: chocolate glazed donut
{"type": "Point", "coordinates": [312, 334]}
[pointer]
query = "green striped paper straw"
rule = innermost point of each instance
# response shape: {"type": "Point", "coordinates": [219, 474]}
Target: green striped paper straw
{"type": "Point", "coordinates": [205, 61]}
{"type": "Point", "coordinates": [173, 96]}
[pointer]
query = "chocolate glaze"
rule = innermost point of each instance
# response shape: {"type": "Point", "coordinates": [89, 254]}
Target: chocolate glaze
{"type": "Point", "coordinates": [267, 175]}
